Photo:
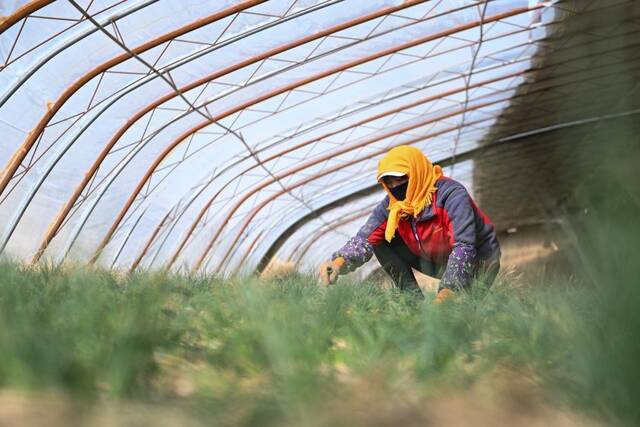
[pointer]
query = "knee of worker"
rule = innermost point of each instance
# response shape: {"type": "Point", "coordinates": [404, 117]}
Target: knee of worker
{"type": "Point", "coordinates": [390, 261]}
{"type": "Point", "coordinates": [395, 248]}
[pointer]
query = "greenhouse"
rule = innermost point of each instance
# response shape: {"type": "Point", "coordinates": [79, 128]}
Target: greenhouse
{"type": "Point", "coordinates": [229, 138]}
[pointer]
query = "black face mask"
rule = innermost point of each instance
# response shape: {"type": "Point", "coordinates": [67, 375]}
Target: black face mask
{"type": "Point", "coordinates": [400, 191]}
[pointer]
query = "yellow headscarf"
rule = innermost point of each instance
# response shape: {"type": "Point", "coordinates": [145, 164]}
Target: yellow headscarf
{"type": "Point", "coordinates": [422, 183]}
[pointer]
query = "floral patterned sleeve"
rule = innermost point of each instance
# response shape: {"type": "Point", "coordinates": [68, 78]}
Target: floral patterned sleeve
{"type": "Point", "coordinates": [463, 259]}
{"type": "Point", "coordinates": [359, 249]}
{"type": "Point", "coordinates": [460, 269]}
{"type": "Point", "coordinates": [355, 252]}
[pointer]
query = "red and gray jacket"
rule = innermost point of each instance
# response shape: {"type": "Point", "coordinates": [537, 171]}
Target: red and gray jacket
{"type": "Point", "coordinates": [452, 231]}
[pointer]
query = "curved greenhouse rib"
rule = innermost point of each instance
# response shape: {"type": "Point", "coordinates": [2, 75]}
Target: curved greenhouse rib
{"type": "Point", "coordinates": [54, 107]}
{"type": "Point", "coordinates": [76, 232]}
{"type": "Point", "coordinates": [147, 245]}
{"type": "Point", "coordinates": [554, 65]}
{"type": "Point", "coordinates": [119, 168]}
{"type": "Point", "coordinates": [105, 187]}
{"type": "Point", "coordinates": [19, 212]}
{"type": "Point", "coordinates": [450, 11]}
{"type": "Point", "coordinates": [250, 248]}
{"type": "Point", "coordinates": [22, 12]}
{"type": "Point", "coordinates": [32, 69]}
{"type": "Point", "coordinates": [204, 209]}
{"type": "Point", "coordinates": [62, 214]}
{"type": "Point", "coordinates": [287, 88]}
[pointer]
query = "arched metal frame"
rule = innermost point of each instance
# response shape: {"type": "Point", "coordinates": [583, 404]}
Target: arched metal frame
{"type": "Point", "coordinates": [25, 10]}
{"type": "Point", "coordinates": [60, 217]}
{"type": "Point", "coordinates": [404, 5]}
{"type": "Point", "coordinates": [78, 230]}
{"type": "Point", "coordinates": [54, 107]}
{"type": "Point", "coordinates": [313, 140]}
{"type": "Point", "coordinates": [156, 42]}
{"type": "Point", "coordinates": [408, 4]}
{"type": "Point", "coordinates": [21, 153]}
{"type": "Point", "coordinates": [72, 241]}
{"type": "Point", "coordinates": [65, 210]}
{"type": "Point", "coordinates": [168, 217]}
{"type": "Point", "coordinates": [216, 118]}
{"type": "Point", "coordinates": [262, 161]}
{"type": "Point", "coordinates": [618, 71]}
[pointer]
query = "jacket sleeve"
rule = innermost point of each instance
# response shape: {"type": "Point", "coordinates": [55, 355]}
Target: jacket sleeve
{"type": "Point", "coordinates": [462, 262]}
{"type": "Point", "coordinates": [359, 249]}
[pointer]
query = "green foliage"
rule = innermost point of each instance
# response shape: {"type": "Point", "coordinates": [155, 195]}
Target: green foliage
{"type": "Point", "coordinates": [259, 353]}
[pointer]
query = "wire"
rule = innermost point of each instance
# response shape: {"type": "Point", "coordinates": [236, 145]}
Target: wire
{"type": "Point", "coordinates": [467, 82]}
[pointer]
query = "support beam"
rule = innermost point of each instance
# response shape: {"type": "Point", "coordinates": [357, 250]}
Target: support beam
{"type": "Point", "coordinates": [22, 12]}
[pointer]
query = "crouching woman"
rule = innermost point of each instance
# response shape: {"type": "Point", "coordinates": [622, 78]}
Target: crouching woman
{"type": "Point", "coordinates": [427, 222]}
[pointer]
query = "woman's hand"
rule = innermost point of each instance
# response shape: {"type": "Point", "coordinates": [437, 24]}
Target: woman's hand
{"type": "Point", "coordinates": [329, 271]}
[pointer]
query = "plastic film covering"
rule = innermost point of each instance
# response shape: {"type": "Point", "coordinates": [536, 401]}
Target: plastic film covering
{"type": "Point", "coordinates": [192, 135]}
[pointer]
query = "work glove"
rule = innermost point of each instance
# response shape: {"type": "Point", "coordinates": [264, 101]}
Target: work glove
{"type": "Point", "coordinates": [330, 270]}
{"type": "Point", "coordinates": [444, 295]}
